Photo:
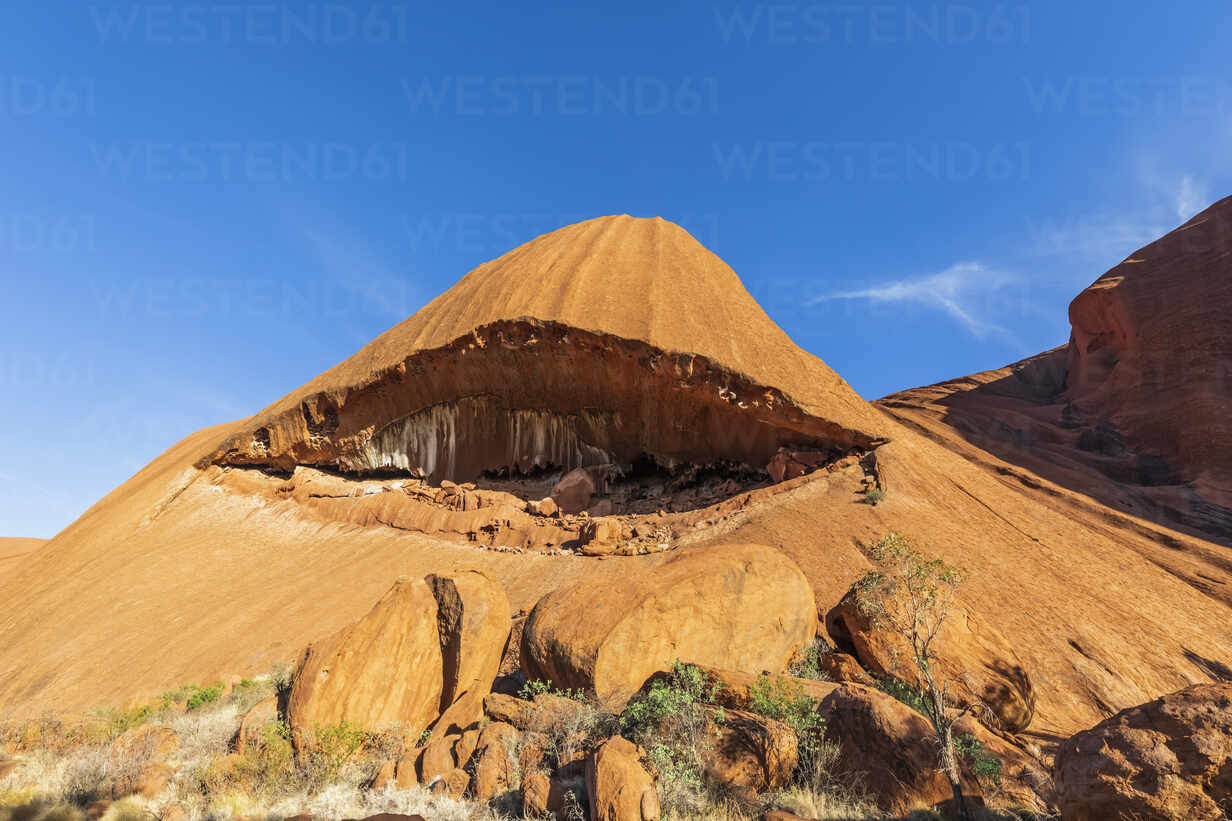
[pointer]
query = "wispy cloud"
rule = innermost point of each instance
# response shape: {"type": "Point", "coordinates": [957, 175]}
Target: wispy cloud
{"type": "Point", "coordinates": [963, 291]}
{"type": "Point", "coordinates": [1191, 197]}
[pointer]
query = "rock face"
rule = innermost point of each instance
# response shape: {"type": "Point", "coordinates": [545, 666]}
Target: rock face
{"type": "Point", "coordinates": [972, 654]}
{"type": "Point", "coordinates": [737, 607]}
{"type": "Point", "coordinates": [1152, 341]}
{"type": "Point", "coordinates": [749, 752]}
{"type": "Point", "coordinates": [889, 745]}
{"type": "Point", "coordinates": [595, 380]}
{"type": "Point", "coordinates": [427, 647]}
{"type": "Point", "coordinates": [1167, 760]}
{"type": "Point", "coordinates": [474, 621]}
{"type": "Point", "coordinates": [618, 786]}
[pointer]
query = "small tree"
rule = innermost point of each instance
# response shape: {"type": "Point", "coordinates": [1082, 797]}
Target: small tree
{"type": "Point", "coordinates": [911, 596]}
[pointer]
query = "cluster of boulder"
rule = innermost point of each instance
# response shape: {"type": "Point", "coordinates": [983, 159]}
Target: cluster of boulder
{"type": "Point", "coordinates": [427, 655]}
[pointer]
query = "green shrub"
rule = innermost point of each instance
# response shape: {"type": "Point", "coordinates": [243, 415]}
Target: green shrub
{"type": "Point", "coordinates": [202, 696]}
{"type": "Point", "coordinates": [985, 766]}
{"type": "Point", "coordinates": [785, 700]}
{"type": "Point", "coordinates": [913, 697]}
{"type": "Point", "coordinates": [670, 722]}
{"type": "Point", "coordinates": [539, 687]}
{"type": "Point", "coordinates": [873, 496]}
{"type": "Point", "coordinates": [808, 663]}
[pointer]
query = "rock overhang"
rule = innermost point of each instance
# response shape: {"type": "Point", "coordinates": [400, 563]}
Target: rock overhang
{"type": "Point", "coordinates": [525, 395]}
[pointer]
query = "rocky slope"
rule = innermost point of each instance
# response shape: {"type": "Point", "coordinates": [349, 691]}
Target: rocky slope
{"type": "Point", "coordinates": [618, 345]}
{"type": "Point", "coordinates": [1136, 410]}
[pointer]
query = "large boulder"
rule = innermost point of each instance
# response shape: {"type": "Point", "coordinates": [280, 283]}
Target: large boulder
{"type": "Point", "coordinates": [972, 654]}
{"type": "Point", "coordinates": [738, 607]}
{"type": "Point", "coordinates": [427, 647]}
{"type": "Point", "coordinates": [474, 621]}
{"type": "Point", "coordinates": [893, 750]}
{"type": "Point", "coordinates": [384, 670]}
{"type": "Point", "coordinates": [748, 752]}
{"type": "Point", "coordinates": [618, 786]}
{"type": "Point", "coordinates": [1166, 760]}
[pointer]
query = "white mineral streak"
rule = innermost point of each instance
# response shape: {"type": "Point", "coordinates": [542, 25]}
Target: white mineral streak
{"type": "Point", "coordinates": [433, 440]}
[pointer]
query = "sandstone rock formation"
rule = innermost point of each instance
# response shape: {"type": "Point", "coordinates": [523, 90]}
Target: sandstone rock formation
{"type": "Point", "coordinates": [1105, 608]}
{"type": "Point", "coordinates": [739, 607]}
{"type": "Point", "coordinates": [428, 647]}
{"type": "Point", "coordinates": [888, 745]}
{"type": "Point", "coordinates": [618, 786]}
{"type": "Point", "coordinates": [474, 621]}
{"type": "Point", "coordinates": [972, 655]}
{"type": "Point", "coordinates": [383, 671]}
{"type": "Point", "coordinates": [1167, 760]}
{"type": "Point", "coordinates": [749, 752]}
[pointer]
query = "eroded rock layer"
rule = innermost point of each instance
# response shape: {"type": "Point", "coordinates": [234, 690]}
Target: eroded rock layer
{"type": "Point", "coordinates": [524, 395]}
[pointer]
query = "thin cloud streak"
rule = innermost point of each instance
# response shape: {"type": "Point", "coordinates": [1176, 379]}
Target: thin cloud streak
{"type": "Point", "coordinates": [955, 291]}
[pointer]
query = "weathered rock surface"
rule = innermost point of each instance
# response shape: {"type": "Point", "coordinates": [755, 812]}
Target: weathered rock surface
{"type": "Point", "coordinates": [618, 787]}
{"type": "Point", "coordinates": [972, 654]}
{"type": "Point", "coordinates": [474, 620]}
{"type": "Point", "coordinates": [384, 670]}
{"type": "Point", "coordinates": [738, 607]}
{"type": "Point", "coordinates": [733, 689]}
{"type": "Point", "coordinates": [749, 752]}
{"type": "Point", "coordinates": [889, 745]}
{"type": "Point", "coordinates": [495, 766]}
{"type": "Point", "coordinates": [253, 722]}
{"type": "Point", "coordinates": [1167, 760]}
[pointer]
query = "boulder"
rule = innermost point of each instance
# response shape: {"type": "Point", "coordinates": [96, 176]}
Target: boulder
{"type": "Point", "coordinates": [740, 607]}
{"type": "Point", "coordinates": [465, 746]}
{"type": "Point", "coordinates": [1166, 760]}
{"type": "Point", "coordinates": [253, 722]}
{"type": "Point", "coordinates": [495, 767]}
{"type": "Point", "coordinates": [892, 748]}
{"type": "Point", "coordinates": [452, 784]}
{"type": "Point", "coordinates": [617, 785]}
{"type": "Point", "coordinates": [406, 772]}
{"type": "Point", "coordinates": [147, 742]}
{"type": "Point", "coordinates": [749, 752]}
{"type": "Point", "coordinates": [424, 656]}
{"type": "Point", "coordinates": [972, 654]}
{"type": "Point", "coordinates": [572, 494]}
{"type": "Point", "coordinates": [385, 669]}
{"type": "Point", "coordinates": [385, 776]}
{"type": "Point", "coordinates": [600, 537]}
{"type": "Point", "coordinates": [543, 796]}
{"type": "Point", "coordinates": [473, 617]}
{"type": "Point", "coordinates": [437, 759]}
{"type": "Point", "coordinates": [843, 667]}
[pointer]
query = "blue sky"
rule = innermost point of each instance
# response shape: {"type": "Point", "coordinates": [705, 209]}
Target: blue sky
{"type": "Point", "coordinates": [206, 204]}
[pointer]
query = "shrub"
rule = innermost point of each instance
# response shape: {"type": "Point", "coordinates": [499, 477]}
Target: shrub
{"type": "Point", "coordinates": [913, 697]}
{"type": "Point", "coordinates": [202, 696]}
{"type": "Point", "coordinates": [539, 687]}
{"type": "Point", "coordinates": [784, 700]}
{"type": "Point", "coordinates": [984, 765]}
{"type": "Point", "coordinates": [669, 721]}
{"type": "Point", "coordinates": [873, 496]}
{"type": "Point", "coordinates": [808, 663]}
